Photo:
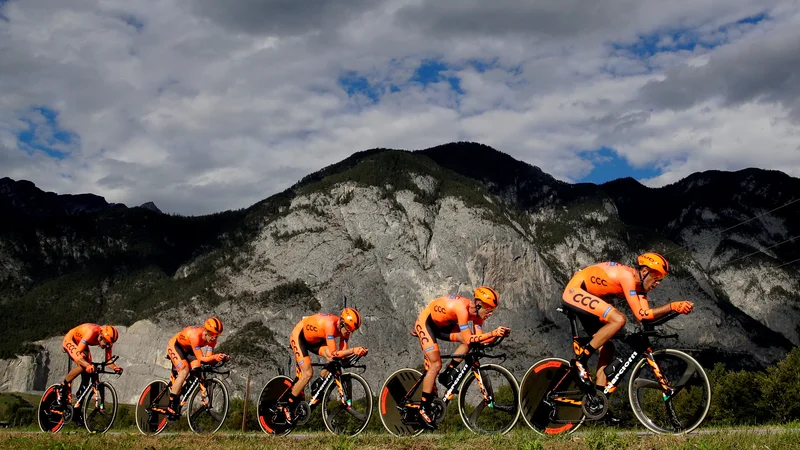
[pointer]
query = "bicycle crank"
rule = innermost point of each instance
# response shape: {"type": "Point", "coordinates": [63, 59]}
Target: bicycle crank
{"type": "Point", "coordinates": [594, 406]}
{"type": "Point", "coordinates": [438, 408]}
{"type": "Point", "coordinates": [302, 413]}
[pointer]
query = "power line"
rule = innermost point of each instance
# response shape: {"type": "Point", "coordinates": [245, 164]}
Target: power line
{"type": "Point", "coordinates": [786, 264]}
{"type": "Point", "coordinates": [684, 247]}
{"type": "Point", "coordinates": [760, 251]}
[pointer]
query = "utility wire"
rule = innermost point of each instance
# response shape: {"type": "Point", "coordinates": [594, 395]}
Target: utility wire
{"type": "Point", "coordinates": [741, 223]}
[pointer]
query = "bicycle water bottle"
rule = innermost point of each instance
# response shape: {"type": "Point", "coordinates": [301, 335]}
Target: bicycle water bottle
{"type": "Point", "coordinates": [612, 367]}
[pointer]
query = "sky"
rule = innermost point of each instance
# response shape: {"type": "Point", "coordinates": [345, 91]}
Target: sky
{"type": "Point", "coordinates": [204, 105]}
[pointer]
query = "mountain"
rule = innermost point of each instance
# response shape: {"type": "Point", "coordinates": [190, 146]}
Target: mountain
{"type": "Point", "coordinates": [387, 231]}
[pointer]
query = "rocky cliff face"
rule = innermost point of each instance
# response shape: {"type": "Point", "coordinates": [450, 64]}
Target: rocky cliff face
{"type": "Point", "coordinates": [390, 231]}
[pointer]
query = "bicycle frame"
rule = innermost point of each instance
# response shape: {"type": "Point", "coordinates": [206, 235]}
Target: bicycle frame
{"type": "Point", "coordinates": [188, 386]}
{"type": "Point", "coordinates": [334, 369]}
{"type": "Point", "coordinates": [640, 341]}
{"type": "Point", "coordinates": [471, 363]}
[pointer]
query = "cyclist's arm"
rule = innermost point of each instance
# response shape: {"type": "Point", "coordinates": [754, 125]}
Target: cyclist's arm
{"type": "Point", "coordinates": [343, 344]}
{"type": "Point", "coordinates": [641, 307]}
{"type": "Point", "coordinates": [108, 354]}
{"type": "Point", "coordinates": [464, 333]}
{"type": "Point", "coordinates": [330, 340]}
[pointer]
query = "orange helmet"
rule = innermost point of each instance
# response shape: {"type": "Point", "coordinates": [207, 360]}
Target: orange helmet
{"type": "Point", "coordinates": [655, 262]}
{"type": "Point", "coordinates": [487, 296]}
{"type": "Point", "coordinates": [110, 334]}
{"type": "Point", "coordinates": [351, 319]}
{"type": "Point", "coordinates": [213, 326]}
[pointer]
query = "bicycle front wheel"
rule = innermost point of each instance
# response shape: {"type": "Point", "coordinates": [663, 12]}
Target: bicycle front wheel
{"type": "Point", "coordinates": [151, 418]}
{"type": "Point", "coordinates": [51, 415]}
{"type": "Point", "coordinates": [679, 413]}
{"type": "Point", "coordinates": [489, 400]}
{"type": "Point", "coordinates": [347, 405]}
{"type": "Point", "coordinates": [100, 408]}
{"type": "Point", "coordinates": [208, 406]}
{"type": "Point", "coordinates": [538, 383]}
{"type": "Point", "coordinates": [270, 419]}
{"type": "Point", "coordinates": [394, 390]}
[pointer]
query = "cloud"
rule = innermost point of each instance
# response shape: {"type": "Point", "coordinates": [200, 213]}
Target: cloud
{"type": "Point", "coordinates": [202, 107]}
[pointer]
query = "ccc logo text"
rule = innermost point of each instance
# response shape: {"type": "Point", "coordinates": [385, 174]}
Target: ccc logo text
{"type": "Point", "coordinates": [439, 309]}
{"type": "Point", "coordinates": [598, 281]}
{"type": "Point", "coordinates": [585, 301]}
{"type": "Point", "coordinates": [312, 328]}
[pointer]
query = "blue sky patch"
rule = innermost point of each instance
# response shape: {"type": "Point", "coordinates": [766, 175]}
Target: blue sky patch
{"type": "Point", "coordinates": [44, 134]}
{"type": "Point", "coordinates": [609, 166]}
{"type": "Point", "coordinates": [430, 71]}
{"type": "Point", "coordinates": [133, 21]}
{"type": "Point", "coordinates": [677, 39]}
{"type": "Point", "coordinates": [355, 84]}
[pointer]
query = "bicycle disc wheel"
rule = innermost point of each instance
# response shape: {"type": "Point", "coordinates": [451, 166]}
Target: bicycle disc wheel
{"type": "Point", "coordinates": [100, 408]}
{"type": "Point", "coordinates": [271, 420]}
{"type": "Point", "coordinates": [208, 407]}
{"type": "Point", "coordinates": [51, 416]}
{"type": "Point", "coordinates": [540, 380]}
{"type": "Point", "coordinates": [498, 416]}
{"type": "Point", "coordinates": [685, 409]}
{"type": "Point", "coordinates": [154, 395]}
{"type": "Point", "coordinates": [350, 416]}
{"type": "Point", "coordinates": [394, 389]}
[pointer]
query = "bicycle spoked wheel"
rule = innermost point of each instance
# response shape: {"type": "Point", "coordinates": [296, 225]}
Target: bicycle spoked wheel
{"type": "Point", "coordinates": [497, 416]}
{"type": "Point", "coordinates": [270, 419]}
{"type": "Point", "coordinates": [394, 389]}
{"type": "Point", "coordinates": [686, 409]}
{"type": "Point", "coordinates": [351, 416]}
{"type": "Point", "coordinates": [154, 396]}
{"type": "Point", "coordinates": [208, 408]}
{"type": "Point", "coordinates": [51, 416]}
{"type": "Point", "coordinates": [100, 408]}
{"type": "Point", "coordinates": [540, 380]}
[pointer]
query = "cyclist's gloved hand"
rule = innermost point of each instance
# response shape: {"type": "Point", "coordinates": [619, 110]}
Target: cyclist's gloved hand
{"type": "Point", "coordinates": [220, 357]}
{"type": "Point", "coordinates": [360, 351]}
{"type": "Point", "coordinates": [89, 368]}
{"type": "Point", "coordinates": [117, 369]}
{"type": "Point", "coordinates": [501, 331]}
{"type": "Point", "coordinates": [682, 307]}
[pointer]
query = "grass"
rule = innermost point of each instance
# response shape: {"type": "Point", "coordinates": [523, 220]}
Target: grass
{"type": "Point", "coordinates": [521, 439]}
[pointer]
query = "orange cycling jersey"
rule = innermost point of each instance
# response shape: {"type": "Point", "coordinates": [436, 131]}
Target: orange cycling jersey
{"type": "Point", "coordinates": [311, 333]}
{"type": "Point", "coordinates": [446, 318]}
{"type": "Point", "coordinates": [190, 341]}
{"type": "Point", "coordinates": [590, 287]}
{"type": "Point", "coordinates": [77, 341]}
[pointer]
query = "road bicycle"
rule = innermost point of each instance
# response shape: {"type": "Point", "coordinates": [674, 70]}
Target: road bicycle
{"type": "Point", "coordinates": [205, 394]}
{"type": "Point", "coordinates": [345, 397]}
{"type": "Point", "coordinates": [96, 404]}
{"type": "Point", "coordinates": [488, 396]}
{"type": "Point", "coordinates": [668, 390]}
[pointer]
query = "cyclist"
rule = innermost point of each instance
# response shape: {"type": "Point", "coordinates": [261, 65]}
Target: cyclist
{"type": "Point", "coordinates": [318, 334]}
{"type": "Point", "coordinates": [587, 293]}
{"type": "Point", "coordinates": [76, 344]}
{"type": "Point", "coordinates": [448, 318]}
{"type": "Point", "coordinates": [187, 350]}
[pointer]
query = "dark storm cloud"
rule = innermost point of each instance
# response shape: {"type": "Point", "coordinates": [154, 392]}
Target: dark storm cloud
{"type": "Point", "coordinates": [765, 70]}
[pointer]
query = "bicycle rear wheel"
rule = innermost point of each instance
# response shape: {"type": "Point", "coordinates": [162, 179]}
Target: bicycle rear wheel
{"type": "Point", "coordinates": [351, 416]}
{"type": "Point", "coordinates": [50, 414]}
{"type": "Point", "coordinates": [498, 416]}
{"type": "Point", "coordinates": [394, 389]}
{"type": "Point", "coordinates": [271, 420]}
{"type": "Point", "coordinates": [208, 407]}
{"type": "Point", "coordinates": [100, 408]}
{"type": "Point", "coordinates": [685, 409]}
{"type": "Point", "coordinates": [154, 396]}
{"type": "Point", "coordinates": [537, 383]}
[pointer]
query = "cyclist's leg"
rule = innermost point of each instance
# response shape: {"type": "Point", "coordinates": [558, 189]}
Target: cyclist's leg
{"type": "Point", "coordinates": [180, 364]}
{"type": "Point", "coordinates": [71, 349]}
{"type": "Point", "coordinates": [304, 370]}
{"type": "Point", "coordinates": [591, 309]}
{"type": "Point", "coordinates": [433, 363]}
